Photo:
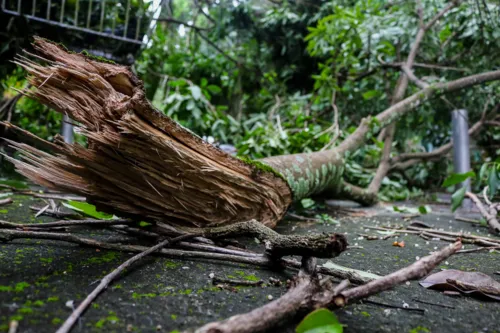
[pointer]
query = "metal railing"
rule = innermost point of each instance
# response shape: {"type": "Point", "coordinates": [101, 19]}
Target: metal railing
{"type": "Point", "coordinates": [68, 13]}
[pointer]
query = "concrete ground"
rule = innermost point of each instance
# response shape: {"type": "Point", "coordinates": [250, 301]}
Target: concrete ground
{"type": "Point", "coordinates": [39, 279]}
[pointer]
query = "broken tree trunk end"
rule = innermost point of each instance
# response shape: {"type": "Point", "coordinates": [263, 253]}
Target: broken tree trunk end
{"type": "Point", "coordinates": [139, 163]}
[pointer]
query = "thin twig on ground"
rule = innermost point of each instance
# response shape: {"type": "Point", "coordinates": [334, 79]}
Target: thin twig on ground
{"type": "Point", "coordinates": [464, 219]}
{"type": "Point", "coordinates": [58, 196]}
{"type": "Point", "coordinates": [216, 280]}
{"type": "Point", "coordinates": [302, 218]}
{"type": "Point", "coordinates": [5, 201]}
{"type": "Point", "coordinates": [435, 304]}
{"type": "Point", "coordinates": [66, 223]}
{"type": "Point", "coordinates": [443, 235]}
{"type": "Point", "coordinates": [369, 301]}
{"type": "Point", "coordinates": [480, 249]}
{"type": "Point", "coordinates": [68, 324]}
{"type": "Point", "coordinates": [55, 213]}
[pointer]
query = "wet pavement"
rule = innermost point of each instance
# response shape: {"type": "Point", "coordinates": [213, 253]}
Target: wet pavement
{"type": "Point", "coordinates": [40, 280]}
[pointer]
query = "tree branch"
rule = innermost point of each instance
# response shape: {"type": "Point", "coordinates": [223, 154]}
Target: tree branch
{"type": "Point", "coordinates": [419, 64]}
{"type": "Point", "coordinates": [175, 21]}
{"type": "Point", "coordinates": [419, 83]}
{"type": "Point", "coordinates": [277, 245]}
{"type": "Point", "coordinates": [399, 92]}
{"type": "Point", "coordinates": [307, 292]}
{"type": "Point", "coordinates": [490, 215]}
{"type": "Point", "coordinates": [393, 113]}
{"type": "Point", "coordinates": [358, 194]}
{"type": "Point", "coordinates": [433, 20]}
{"type": "Point", "coordinates": [206, 39]}
{"type": "Point", "coordinates": [403, 161]}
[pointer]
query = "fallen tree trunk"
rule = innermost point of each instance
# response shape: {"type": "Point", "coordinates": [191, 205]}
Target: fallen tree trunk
{"type": "Point", "coordinates": [141, 164]}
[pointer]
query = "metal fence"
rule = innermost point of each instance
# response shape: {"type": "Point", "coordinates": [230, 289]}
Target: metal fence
{"type": "Point", "coordinates": [120, 20]}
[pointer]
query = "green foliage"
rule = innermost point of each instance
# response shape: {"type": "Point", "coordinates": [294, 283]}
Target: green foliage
{"type": "Point", "coordinates": [87, 209]}
{"type": "Point", "coordinates": [308, 203]}
{"type": "Point", "coordinates": [425, 209]}
{"type": "Point", "coordinates": [326, 219]}
{"type": "Point", "coordinates": [488, 179]}
{"type": "Point", "coordinates": [271, 76]}
{"type": "Point", "coordinates": [320, 321]}
{"type": "Point", "coordinates": [28, 113]}
{"type": "Point", "coordinates": [457, 178]}
{"type": "Point", "coordinates": [457, 198]}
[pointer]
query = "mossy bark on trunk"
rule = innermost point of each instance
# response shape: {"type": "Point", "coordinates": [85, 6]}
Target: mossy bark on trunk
{"type": "Point", "coordinates": [309, 173]}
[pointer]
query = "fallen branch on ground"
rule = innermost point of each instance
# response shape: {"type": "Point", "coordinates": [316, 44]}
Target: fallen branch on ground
{"type": "Point", "coordinates": [490, 214]}
{"type": "Point", "coordinates": [307, 293]}
{"type": "Point", "coordinates": [277, 245]}
{"type": "Point", "coordinates": [201, 251]}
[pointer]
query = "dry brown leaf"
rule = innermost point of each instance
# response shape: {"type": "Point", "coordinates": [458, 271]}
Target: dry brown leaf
{"type": "Point", "coordinates": [470, 283]}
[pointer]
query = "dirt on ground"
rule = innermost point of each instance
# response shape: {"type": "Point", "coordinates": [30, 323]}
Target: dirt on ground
{"type": "Point", "coordinates": [40, 281]}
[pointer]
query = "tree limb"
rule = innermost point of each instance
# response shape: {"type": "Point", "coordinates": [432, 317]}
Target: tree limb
{"type": "Point", "coordinates": [411, 76]}
{"type": "Point", "coordinates": [277, 245]}
{"type": "Point", "coordinates": [490, 215]}
{"type": "Point", "coordinates": [358, 194]}
{"type": "Point", "coordinates": [393, 113]}
{"type": "Point", "coordinates": [307, 292]}
{"type": "Point", "coordinates": [403, 161]}
{"type": "Point", "coordinates": [175, 21]}
{"type": "Point", "coordinates": [399, 92]}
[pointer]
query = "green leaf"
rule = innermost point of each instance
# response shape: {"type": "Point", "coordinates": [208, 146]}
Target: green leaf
{"type": "Point", "coordinates": [424, 209]}
{"type": "Point", "coordinates": [326, 219]}
{"type": "Point", "coordinates": [404, 209]}
{"type": "Point", "coordinates": [370, 94]}
{"type": "Point", "coordinates": [492, 182]}
{"type": "Point", "coordinates": [87, 209]}
{"type": "Point", "coordinates": [307, 203]}
{"type": "Point", "coordinates": [482, 171]}
{"type": "Point", "coordinates": [457, 178]}
{"type": "Point", "coordinates": [457, 198]}
{"type": "Point", "coordinates": [320, 321]}
{"type": "Point", "coordinates": [214, 89]}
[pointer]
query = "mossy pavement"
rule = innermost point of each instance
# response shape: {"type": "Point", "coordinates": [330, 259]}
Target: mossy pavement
{"type": "Point", "coordinates": [38, 278]}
